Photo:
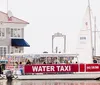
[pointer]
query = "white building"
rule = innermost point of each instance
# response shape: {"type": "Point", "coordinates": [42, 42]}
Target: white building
{"type": "Point", "coordinates": [11, 34]}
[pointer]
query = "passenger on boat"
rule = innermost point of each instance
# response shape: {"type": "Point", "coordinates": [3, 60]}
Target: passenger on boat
{"type": "Point", "coordinates": [55, 61]}
{"type": "Point", "coordinates": [44, 62]}
{"type": "Point", "coordinates": [21, 68]}
{"type": "Point", "coordinates": [16, 65]}
{"type": "Point", "coordinates": [94, 60]}
{"type": "Point", "coordinates": [67, 61]}
{"type": "Point", "coordinates": [28, 62]}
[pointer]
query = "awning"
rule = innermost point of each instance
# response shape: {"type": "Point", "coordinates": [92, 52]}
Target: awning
{"type": "Point", "coordinates": [3, 61]}
{"type": "Point", "coordinates": [19, 42]}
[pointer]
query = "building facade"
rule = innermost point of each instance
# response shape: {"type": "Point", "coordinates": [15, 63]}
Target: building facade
{"type": "Point", "coordinates": [11, 34]}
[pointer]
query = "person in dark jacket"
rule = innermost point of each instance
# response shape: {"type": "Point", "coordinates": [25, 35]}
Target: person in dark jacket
{"type": "Point", "coordinates": [94, 60]}
{"type": "Point", "coordinates": [28, 62]}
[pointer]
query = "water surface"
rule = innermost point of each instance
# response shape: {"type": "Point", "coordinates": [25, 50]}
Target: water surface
{"type": "Point", "coordinates": [50, 82]}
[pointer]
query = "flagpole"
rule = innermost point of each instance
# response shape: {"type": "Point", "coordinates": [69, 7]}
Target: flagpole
{"type": "Point", "coordinates": [90, 27]}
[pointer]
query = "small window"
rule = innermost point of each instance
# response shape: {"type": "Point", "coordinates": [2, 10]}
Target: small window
{"type": "Point", "coordinates": [16, 50]}
{"type": "Point", "coordinates": [16, 32]}
{"type": "Point", "coordinates": [2, 32]}
{"type": "Point", "coordinates": [3, 51]}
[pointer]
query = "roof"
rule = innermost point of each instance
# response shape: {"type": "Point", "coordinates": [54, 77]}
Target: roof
{"type": "Point", "coordinates": [5, 19]}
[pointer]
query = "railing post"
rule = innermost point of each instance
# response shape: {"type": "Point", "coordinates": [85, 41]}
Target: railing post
{"type": "Point", "coordinates": [85, 67]}
{"type": "Point", "coordinates": [78, 67]}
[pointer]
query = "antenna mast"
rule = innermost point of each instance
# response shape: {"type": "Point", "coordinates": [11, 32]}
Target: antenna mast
{"type": "Point", "coordinates": [7, 5]}
{"type": "Point", "coordinates": [90, 27]}
{"type": "Point", "coordinates": [94, 36]}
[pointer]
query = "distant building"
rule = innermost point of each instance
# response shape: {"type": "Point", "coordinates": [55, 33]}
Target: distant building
{"type": "Point", "coordinates": [11, 34]}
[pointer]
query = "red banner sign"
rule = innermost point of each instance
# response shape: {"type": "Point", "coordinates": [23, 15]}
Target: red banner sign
{"type": "Point", "coordinates": [51, 68]}
{"type": "Point", "coordinates": [61, 68]}
{"type": "Point", "coordinates": [92, 67]}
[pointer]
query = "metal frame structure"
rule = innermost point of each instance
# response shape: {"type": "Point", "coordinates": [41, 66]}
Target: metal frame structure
{"type": "Point", "coordinates": [59, 35]}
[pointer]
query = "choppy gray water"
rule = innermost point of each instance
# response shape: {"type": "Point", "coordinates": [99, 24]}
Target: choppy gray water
{"type": "Point", "coordinates": [50, 82]}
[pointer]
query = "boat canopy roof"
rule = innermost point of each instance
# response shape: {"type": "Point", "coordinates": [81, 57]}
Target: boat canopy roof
{"type": "Point", "coordinates": [44, 55]}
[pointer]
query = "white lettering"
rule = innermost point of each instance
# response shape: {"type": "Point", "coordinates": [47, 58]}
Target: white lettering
{"type": "Point", "coordinates": [62, 68]}
{"type": "Point", "coordinates": [35, 68]}
{"type": "Point", "coordinates": [95, 67]}
{"type": "Point", "coordinates": [58, 68]}
{"type": "Point", "coordinates": [48, 68]}
{"type": "Point", "coordinates": [40, 68]}
{"type": "Point", "coordinates": [92, 67]}
{"type": "Point", "coordinates": [52, 68]}
{"type": "Point", "coordinates": [88, 67]}
{"type": "Point", "coordinates": [67, 68]}
{"type": "Point", "coordinates": [44, 67]}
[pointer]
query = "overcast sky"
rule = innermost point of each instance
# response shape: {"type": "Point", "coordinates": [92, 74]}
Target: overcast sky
{"type": "Point", "coordinates": [47, 17]}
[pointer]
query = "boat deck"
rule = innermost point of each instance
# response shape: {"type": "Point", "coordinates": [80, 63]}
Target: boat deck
{"type": "Point", "coordinates": [74, 76]}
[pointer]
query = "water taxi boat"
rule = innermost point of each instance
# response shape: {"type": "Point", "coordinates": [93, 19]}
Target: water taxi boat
{"type": "Point", "coordinates": [55, 66]}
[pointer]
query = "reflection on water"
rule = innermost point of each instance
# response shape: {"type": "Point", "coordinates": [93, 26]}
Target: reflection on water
{"type": "Point", "coordinates": [62, 82]}
{"type": "Point", "coordinates": [8, 83]}
{"type": "Point", "coordinates": [50, 82]}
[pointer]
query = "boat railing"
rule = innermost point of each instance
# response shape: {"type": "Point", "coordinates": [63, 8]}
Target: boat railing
{"type": "Point", "coordinates": [45, 69]}
{"type": "Point", "coordinates": [37, 63]}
